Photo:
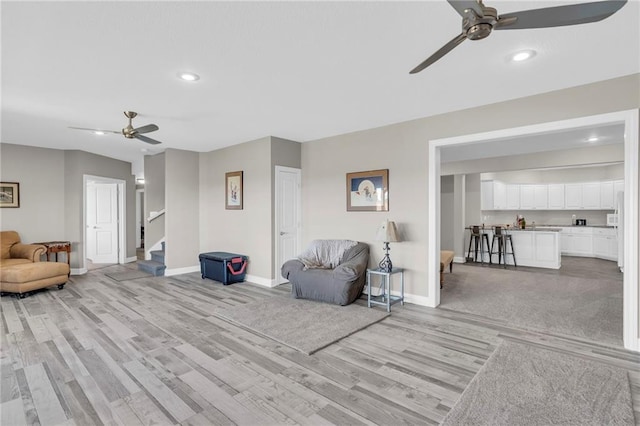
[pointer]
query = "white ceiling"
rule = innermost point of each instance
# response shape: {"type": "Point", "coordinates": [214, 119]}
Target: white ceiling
{"type": "Point", "coordinates": [540, 142]}
{"type": "Point", "coordinates": [297, 70]}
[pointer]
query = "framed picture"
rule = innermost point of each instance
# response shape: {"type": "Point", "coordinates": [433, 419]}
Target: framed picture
{"type": "Point", "coordinates": [9, 194]}
{"type": "Point", "coordinates": [233, 190]}
{"type": "Point", "coordinates": [368, 191]}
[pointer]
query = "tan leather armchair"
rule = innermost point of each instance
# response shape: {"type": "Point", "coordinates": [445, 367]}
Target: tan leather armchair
{"type": "Point", "coordinates": [13, 252]}
{"type": "Point", "coordinates": [21, 271]}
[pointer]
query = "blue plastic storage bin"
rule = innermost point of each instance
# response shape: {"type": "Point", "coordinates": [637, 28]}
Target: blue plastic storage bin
{"type": "Point", "coordinates": [227, 268]}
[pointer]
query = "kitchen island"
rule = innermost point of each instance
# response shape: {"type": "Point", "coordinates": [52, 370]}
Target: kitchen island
{"type": "Point", "coordinates": [537, 247]}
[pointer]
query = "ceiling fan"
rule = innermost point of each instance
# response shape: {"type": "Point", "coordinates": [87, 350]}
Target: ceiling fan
{"type": "Point", "coordinates": [130, 132]}
{"type": "Point", "coordinates": [479, 20]}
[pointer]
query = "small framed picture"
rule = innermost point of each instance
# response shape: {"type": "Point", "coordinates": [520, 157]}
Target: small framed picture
{"type": "Point", "coordinates": [233, 190]}
{"type": "Point", "coordinates": [9, 194]}
{"type": "Point", "coordinates": [368, 191]}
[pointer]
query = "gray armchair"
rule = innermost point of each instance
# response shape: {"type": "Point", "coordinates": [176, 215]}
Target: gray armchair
{"type": "Point", "coordinates": [341, 285]}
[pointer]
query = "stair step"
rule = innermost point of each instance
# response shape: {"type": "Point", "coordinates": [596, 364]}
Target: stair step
{"type": "Point", "coordinates": [157, 256]}
{"type": "Point", "coordinates": [152, 267]}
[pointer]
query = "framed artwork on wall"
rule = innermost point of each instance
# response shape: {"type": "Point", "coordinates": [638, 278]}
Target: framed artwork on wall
{"type": "Point", "coordinates": [9, 194]}
{"type": "Point", "coordinates": [233, 190]}
{"type": "Point", "coordinates": [368, 191]}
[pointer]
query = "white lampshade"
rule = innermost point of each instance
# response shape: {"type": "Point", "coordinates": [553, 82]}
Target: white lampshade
{"type": "Point", "coordinates": [387, 232]}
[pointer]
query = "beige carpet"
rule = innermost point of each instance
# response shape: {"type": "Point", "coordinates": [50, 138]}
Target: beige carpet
{"type": "Point", "coordinates": [583, 299]}
{"type": "Point", "coordinates": [304, 325]}
{"type": "Point", "coordinates": [524, 385]}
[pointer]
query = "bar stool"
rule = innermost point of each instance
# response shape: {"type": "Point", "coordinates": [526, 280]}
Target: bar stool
{"type": "Point", "coordinates": [478, 239]}
{"type": "Point", "coordinates": [502, 237]}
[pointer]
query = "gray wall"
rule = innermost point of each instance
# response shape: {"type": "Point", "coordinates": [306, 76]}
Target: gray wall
{"type": "Point", "coordinates": [326, 161]}
{"type": "Point", "coordinates": [51, 194]}
{"type": "Point", "coordinates": [154, 199]}
{"type": "Point", "coordinates": [246, 231]}
{"type": "Point", "coordinates": [78, 164]}
{"type": "Point", "coordinates": [183, 208]}
{"type": "Point", "coordinates": [446, 212]}
{"type": "Point", "coordinates": [40, 173]}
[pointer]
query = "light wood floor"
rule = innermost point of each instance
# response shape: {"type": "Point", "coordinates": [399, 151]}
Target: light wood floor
{"type": "Point", "coordinates": [148, 351]}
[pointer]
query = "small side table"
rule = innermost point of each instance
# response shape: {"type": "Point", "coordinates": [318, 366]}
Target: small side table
{"type": "Point", "coordinates": [55, 247]}
{"type": "Point", "coordinates": [385, 299]}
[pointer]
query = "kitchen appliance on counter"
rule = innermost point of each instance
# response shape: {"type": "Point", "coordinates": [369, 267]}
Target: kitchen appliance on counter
{"type": "Point", "coordinates": [581, 222]}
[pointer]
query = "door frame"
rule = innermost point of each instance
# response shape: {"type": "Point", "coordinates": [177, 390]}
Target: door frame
{"type": "Point", "coordinates": [631, 120]}
{"type": "Point", "coordinates": [140, 219]}
{"type": "Point", "coordinates": [122, 186]}
{"type": "Point", "coordinates": [276, 228]}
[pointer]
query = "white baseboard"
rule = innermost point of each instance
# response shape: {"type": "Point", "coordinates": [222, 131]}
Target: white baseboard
{"type": "Point", "coordinates": [265, 282]}
{"type": "Point", "coordinates": [130, 259]}
{"type": "Point", "coordinates": [179, 271]}
{"type": "Point", "coordinates": [413, 299]}
{"type": "Point", "coordinates": [458, 259]}
{"type": "Point", "coordinates": [78, 271]}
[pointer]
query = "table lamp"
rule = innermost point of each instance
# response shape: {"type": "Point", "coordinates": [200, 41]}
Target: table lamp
{"type": "Point", "coordinates": [387, 233]}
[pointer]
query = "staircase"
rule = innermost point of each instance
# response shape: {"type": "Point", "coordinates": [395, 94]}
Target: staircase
{"type": "Point", "coordinates": [156, 265]}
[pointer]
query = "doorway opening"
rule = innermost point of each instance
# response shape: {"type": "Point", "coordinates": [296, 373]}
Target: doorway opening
{"type": "Point", "coordinates": [629, 120]}
{"type": "Point", "coordinates": [104, 223]}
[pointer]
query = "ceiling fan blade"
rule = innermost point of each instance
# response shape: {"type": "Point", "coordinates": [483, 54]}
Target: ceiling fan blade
{"type": "Point", "coordinates": [461, 5]}
{"type": "Point", "coordinates": [96, 130]}
{"type": "Point", "coordinates": [146, 139]}
{"type": "Point", "coordinates": [146, 129]}
{"type": "Point", "coordinates": [440, 53]}
{"type": "Point", "coordinates": [559, 16]}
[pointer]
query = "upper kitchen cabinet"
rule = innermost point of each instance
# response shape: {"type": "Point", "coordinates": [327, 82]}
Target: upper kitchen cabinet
{"type": "Point", "coordinates": [533, 197]}
{"type": "Point", "coordinates": [486, 195]}
{"type": "Point", "coordinates": [607, 196]}
{"type": "Point", "coordinates": [582, 196]}
{"type": "Point", "coordinates": [513, 197]}
{"type": "Point", "coordinates": [556, 196]}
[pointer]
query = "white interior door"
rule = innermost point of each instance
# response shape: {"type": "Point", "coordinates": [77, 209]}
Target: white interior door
{"type": "Point", "coordinates": [102, 222]}
{"type": "Point", "coordinates": [288, 213]}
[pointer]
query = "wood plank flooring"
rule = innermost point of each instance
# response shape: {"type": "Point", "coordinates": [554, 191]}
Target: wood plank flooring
{"type": "Point", "coordinates": [149, 351]}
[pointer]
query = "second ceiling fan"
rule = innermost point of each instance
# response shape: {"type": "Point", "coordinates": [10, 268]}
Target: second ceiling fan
{"type": "Point", "coordinates": [479, 20]}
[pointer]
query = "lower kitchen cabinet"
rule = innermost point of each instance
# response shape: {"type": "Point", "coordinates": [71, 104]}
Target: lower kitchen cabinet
{"type": "Point", "coordinates": [589, 242]}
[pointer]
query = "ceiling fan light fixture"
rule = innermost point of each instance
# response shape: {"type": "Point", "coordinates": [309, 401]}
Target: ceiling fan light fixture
{"type": "Point", "coordinates": [522, 55]}
{"type": "Point", "coordinates": [98, 132]}
{"type": "Point", "coordinates": [593, 139]}
{"type": "Point", "coordinates": [189, 76]}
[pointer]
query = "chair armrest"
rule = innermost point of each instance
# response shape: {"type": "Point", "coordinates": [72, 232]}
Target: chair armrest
{"type": "Point", "coordinates": [30, 252]}
{"type": "Point", "coordinates": [354, 267]}
{"type": "Point", "coordinates": [290, 266]}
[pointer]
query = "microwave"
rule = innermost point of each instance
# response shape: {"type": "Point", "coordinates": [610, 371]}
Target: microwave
{"type": "Point", "coordinates": [581, 222]}
{"type": "Point", "coordinates": [612, 219]}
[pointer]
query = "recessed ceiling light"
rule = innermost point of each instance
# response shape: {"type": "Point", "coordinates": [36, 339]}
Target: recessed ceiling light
{"type": "Point", "coordinates": [522, 55]}
{"type": "Point", "coordinates": [98, 132]}
{"type": "Point", "coordinates": [189, 76]}
{"type": "Point", "coordinates": [593, 139]}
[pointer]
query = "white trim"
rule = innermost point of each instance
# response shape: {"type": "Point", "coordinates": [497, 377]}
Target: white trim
{"type": "Point", "coordinates": [139, 216]}
{"type": "Point", "coordinates": [78, 271]}
{"type": "Point", "coordinates": [631, 122]}
{"type": "Point", "coordinates": [122, 218]}
{"type": "Point", "coordinates": [265, 282]}
{"type": "Point", "coordinates": [414, 299]}
{"type": "Point", "coordinates": [458, 259]}
{"type": "Point", "coordinates": [276, 230]}
{"type": "Point", "coordinates": [630, 307]}
{"type": "Point", "coordinates": [180, 271]}
{"type": "Point", "coordinates": [131, 259]}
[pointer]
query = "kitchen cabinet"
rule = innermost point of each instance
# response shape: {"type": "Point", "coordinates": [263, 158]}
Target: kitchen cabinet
{"type": "Point", "coordinates": [605, 243]}
{"type": "Point", "coordinates": [499, 195]}
{"type": "Point", "coordinates": [533, 197]}
{"type": "Point", "coordinates": [573, 196]}
{"type": "Point", "coordinates": [607, 196]}
{"type": "Point", "coordinates": [577, 241]}
{"type": "Point", "coordinates": [513, 196]}
{"type": "Point", "coordinates": [618, 186]}
{"type": "Point", "coordinates": [486, 195]}
{"type": "Point", "coordinates": [591, 196]}
{"type": "Point", "coordinates": [555, 196]}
